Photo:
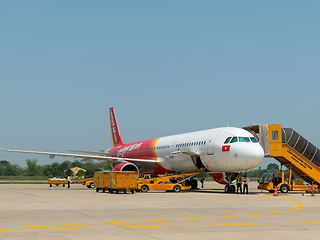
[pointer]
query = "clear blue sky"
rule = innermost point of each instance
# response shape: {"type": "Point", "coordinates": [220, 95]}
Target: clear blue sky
{"type": "Point", "coordinates": [167, 67]}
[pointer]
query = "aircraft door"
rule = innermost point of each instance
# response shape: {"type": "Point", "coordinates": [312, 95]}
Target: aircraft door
{"type": "Point", "coordinates": [210, 146]}
{"type": "Point", "coordinates": [198, 163]}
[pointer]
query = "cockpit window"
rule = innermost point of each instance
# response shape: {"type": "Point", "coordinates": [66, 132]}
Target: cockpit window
{"type": "Point", "coordinates": [244, 139]}
{"type": "Point", "coordinates": [227, 140]}
{"type": "Point", "coordinates": [234, 139]}
{"type": "Point", "coordinates": [240, 139]}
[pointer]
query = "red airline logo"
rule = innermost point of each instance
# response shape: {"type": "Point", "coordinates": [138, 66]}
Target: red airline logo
{"type": "Point", "coordinates": [226, 148]}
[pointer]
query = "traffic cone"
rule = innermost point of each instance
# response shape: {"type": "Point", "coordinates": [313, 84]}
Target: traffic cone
{"type": "Point", "coordinates": [309, 188]}
{"type": "Point", "coordinates": [236, 189]}
{"type": "Point", "coordinates": [275, 191]}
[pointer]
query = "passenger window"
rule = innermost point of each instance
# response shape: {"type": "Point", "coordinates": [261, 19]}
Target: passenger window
{"type": "Point", "coordinates": [227, 140]}
{"type": "Point", "coordinates": [274, 135]}
{"type": "Point", "coordinates": [234, 139]}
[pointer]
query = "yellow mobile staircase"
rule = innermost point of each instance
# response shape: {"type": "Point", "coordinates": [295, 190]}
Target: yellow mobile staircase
{"type": "Point", "coordinates": [290, 149]}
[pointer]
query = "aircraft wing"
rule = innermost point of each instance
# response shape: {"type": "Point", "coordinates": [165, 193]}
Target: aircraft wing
{"type": "Point", "coordinates": [95, 153]}
{"type": "Point", "coordinates": [85, 158]}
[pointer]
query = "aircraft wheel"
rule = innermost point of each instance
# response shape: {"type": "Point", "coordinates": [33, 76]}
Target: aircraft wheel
{"type": "Point", "coordinates": [226, 188]}
{"type": "Point", "coordinates": [284, 188]}
{"type": "Point", "coordinates": [144, 188]}
{"type": "Point", "coordinates": [233, 188]}
{"type": "Point", "coordinates": [176, 188]}
{"type": "Point", "coordinates": [194, 184]}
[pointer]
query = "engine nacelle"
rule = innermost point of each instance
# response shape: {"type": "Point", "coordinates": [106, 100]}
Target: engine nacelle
{"type": "Point", "coordinates": [219, 178]}
{"type": "Point", "coordinates": [223, 178]}
{"type": "Point", "coordinates": [126, 166]}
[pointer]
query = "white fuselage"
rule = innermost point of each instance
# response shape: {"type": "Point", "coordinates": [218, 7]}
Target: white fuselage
{"type": "Point", "coordinates": [180, 152]}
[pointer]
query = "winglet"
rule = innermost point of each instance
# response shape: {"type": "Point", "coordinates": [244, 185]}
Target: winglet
{"type": "Point", "coordinates": [115, 133]}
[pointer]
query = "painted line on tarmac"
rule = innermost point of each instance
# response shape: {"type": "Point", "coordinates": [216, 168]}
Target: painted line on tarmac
{"type": "Point", "coordinates": [54, 227]}
{"type": "Point", "coordinates": [25, 194]}
{"type": "Point", "coordinates": [164, 226]}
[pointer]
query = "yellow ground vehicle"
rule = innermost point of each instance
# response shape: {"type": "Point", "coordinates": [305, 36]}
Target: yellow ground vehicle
{"type": "Point", "coordinates": [175, 182]}
{"type": "Point", "coordinates": [89, 182]}
{"type": "Point", "coordinates": [101, 181]}
{"type": "Point", "coordinates": [122, 181]}
{"type": "Point", "coordinates": [57, 181]}
{"type": "Point", "coordinates": [127, 181]}
{"type": "Point", "coordinates": [268, 181]}
{"type": "Point", "coordinates": [115, 181]}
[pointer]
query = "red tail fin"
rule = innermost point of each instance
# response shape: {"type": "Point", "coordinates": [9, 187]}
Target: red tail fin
{"type": "Point", "coordinates": [115, 134]}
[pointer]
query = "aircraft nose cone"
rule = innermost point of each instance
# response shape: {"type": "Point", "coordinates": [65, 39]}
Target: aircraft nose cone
{"type": "Point", "coordinates": [255, 156]}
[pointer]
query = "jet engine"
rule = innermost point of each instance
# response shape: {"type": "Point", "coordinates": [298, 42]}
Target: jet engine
{"type": "Point", "coordinates": [227, 179]}
{"type": "Point", "coordinates": [224, 178]}
{"type": "Point", "coordinates": [126, 166]}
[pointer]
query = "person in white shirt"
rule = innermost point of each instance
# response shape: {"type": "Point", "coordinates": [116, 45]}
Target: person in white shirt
{"type": "Point", "coordinates": [68, 181]}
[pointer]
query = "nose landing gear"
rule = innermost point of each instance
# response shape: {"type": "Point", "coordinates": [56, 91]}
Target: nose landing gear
{"type": "Point", "coordinates": [229, 188]}
{"type": "Point", "coordinates": [230, 177]}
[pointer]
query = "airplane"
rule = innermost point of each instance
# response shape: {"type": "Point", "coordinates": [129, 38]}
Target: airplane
{"type": "Point", "coordinates": [223, 152]}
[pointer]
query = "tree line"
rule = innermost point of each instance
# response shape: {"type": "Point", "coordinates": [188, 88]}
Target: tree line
{"type": "Point", "coordinates": [63, 169]}
{"type": "Point", "coordinates": [54, 169]}
{"type": "Point", "coordinates": [256, 173]}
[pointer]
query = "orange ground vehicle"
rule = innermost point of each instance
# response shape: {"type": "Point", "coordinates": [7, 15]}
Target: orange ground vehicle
{"type": "Point", "coordinates": [174, 182]}
{"type": "Point", "coordinates": [57, 181]}
{"type": "Point", "coordinates": [89, 182]}
{"type": "Point", "coordinates": [122, 181]}
{"type": "Point", "coordinates": [115, 181]}
{"type": "Point", "coordinates": [268, 181]}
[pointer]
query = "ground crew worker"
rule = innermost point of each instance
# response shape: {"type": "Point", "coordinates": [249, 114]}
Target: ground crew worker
{"type": "Point", "coordinates": [245, 184]}
{"type": "Point", "coordinates": [68, 181]}
{"type": "Point", "coordinates": [239, 183]}
{"type": "Point", "coordinates": [202, 181]}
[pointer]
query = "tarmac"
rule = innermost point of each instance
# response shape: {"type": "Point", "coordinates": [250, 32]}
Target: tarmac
{"type": "Point", "coordinates": [37, 211]}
